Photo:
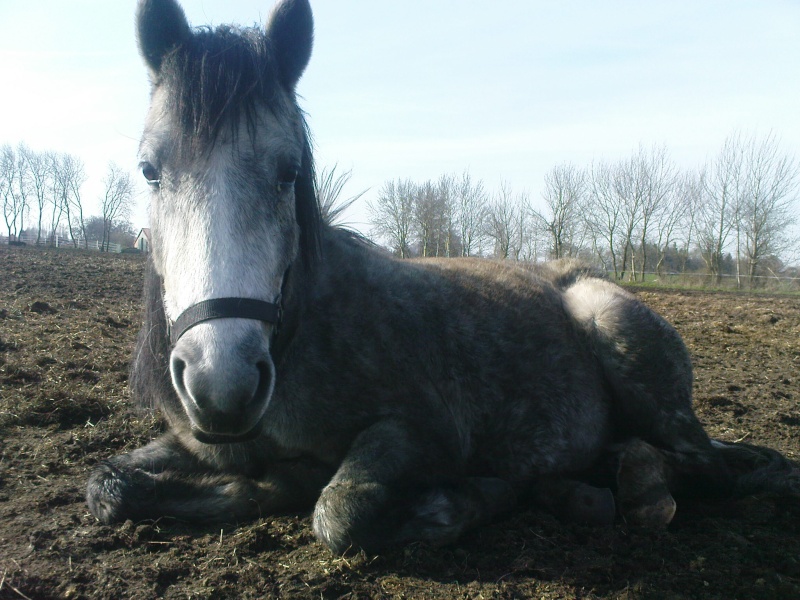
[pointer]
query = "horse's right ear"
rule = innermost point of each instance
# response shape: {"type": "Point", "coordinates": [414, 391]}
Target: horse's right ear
{"type": "Point", "coordinates": [291, 30]}
{"type": "Point", "coordinates": [161, 26]}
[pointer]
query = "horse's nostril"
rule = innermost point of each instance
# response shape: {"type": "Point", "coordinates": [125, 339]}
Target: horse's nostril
{"type": "Point", "coordinates": [178, 366]}
{"type": "Point", "coordinates": [178, 369]}
{"type": "Point", "coordinates": [265, 379]}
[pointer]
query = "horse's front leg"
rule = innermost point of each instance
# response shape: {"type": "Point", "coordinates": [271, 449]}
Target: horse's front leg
{"type": "Point", "coordinates": [395, 486]}
{"type": "Point", "coordinates": [163, 479]}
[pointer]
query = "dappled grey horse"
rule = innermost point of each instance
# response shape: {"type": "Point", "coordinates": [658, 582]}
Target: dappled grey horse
{"type": "Point", "coordinates": [300, 367]}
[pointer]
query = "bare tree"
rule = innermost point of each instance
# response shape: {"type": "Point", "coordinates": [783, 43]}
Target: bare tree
{"type": "Point", "coordinates": [604, 215]}
{"type": "Point", "coordinates": [471, 206]}
{"type": "Point", "coordinates": [433, 217]}
{"type": "Point", "coordinates": [656, 177]}
{"type": "Point", "coordinates": [525, 245]}
{"type": "Point", "coordinates": [691, 189]}
{"type": "Point", "coordinates": [8, 177]}
{"type": "Point", "coordinates": [564, 189]}
{"type": "Point", "coordinates": [17, 190]}
{"type": "Point", "coordinates": [768, 200]}
{"type": "Point", "coordinates": [35, 167]}
{"type": "Point", "coordinates": [446, 197]}
{"type": "Point", "coordinates": [59, 201]}
{"type": "Point", "coordinates": [629, 188]}
{"type": "Point", "coordinates": [75, 176]}
{"type": "Point", "coordinates": [68, 178]}
{"type": "Point", "coordinates": [117, 201]}
{"type": "Point", "coordinates": [428, 216]}
{"type": "Point", "coordinates": [58, 198]}
{"type": "Point", "coordinates": [637, 214]}
{"type": "Point", "coordinates": [676, 218]}
{"type": "Point", "coordinates": [391, 215]}
{"type": "Point", "coordinates": [719, 211]}
{"type": "Point", "coordinates": [502, 221]}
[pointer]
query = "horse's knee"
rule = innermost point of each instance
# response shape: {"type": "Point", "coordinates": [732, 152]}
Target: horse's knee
{"type": "Point", "coordinates": [370, 516]}
{"type": "Point", "coordinates": [348, 516]}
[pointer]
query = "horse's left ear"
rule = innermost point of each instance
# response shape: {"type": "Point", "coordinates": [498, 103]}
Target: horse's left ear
{"type": "Point", "coordinates": [291, 31]}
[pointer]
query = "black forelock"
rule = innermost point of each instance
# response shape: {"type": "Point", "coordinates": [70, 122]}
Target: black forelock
{"type": "Point", "coordinates": [218, 76]}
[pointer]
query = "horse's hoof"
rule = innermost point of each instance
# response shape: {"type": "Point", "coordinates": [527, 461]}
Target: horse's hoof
{"type": "Point", "coordinates": [642, 492]}
{"type": "Point", "coordinates": [652, 516]}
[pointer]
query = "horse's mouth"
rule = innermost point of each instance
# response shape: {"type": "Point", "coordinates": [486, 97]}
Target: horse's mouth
{"type": "Point", "coordinates": [205, 437]}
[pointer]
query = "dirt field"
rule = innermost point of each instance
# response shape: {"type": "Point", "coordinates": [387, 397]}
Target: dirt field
{"type": "Point", "coordinates": [67, 325]}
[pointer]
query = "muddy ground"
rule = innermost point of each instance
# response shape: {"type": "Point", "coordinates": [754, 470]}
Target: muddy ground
{"type": "Point", "coordinates": [67, 325]}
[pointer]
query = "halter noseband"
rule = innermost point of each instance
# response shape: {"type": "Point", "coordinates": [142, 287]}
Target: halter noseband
{"type": "Point", "coordinates": [225, 308]}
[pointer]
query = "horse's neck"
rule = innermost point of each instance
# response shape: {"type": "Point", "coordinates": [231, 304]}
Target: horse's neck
{"type": "Point", "coordinates": [302, 283]}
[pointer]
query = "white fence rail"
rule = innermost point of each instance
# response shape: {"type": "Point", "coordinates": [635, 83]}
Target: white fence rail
{"type": "Point", "coordinates": [58, 241]}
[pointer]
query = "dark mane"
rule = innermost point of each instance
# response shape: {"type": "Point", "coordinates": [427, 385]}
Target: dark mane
{"type": "Point", "coordinates": [309, 216]}
{"type": "Point", "coordinates": [222, 77]}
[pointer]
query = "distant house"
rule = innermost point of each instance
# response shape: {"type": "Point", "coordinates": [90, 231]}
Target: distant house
{"type": "Point", "coordinates": [142, 242]}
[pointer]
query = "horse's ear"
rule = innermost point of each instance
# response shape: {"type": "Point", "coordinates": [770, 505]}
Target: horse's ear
{"type": "Point", "coordinates": [161, 26]}
{"type": "Point", "coordinates": [291, 31]}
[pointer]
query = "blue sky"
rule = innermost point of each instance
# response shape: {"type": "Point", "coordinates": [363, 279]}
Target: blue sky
{"type": "Point", "coordinates": [418, 88]}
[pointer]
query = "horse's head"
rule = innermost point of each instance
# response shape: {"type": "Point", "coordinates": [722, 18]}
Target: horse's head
{"type": "Point", "coordinates": [226, 156]}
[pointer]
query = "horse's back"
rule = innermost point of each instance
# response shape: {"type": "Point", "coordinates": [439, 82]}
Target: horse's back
{"type": "Point", "coordinates": [480, 349]}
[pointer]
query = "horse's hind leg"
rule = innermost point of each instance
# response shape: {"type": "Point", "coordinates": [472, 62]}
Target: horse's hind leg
{"type": "Point", "coordinates": [643, 359]}
{"type": "Point", "coordinates": [647, 477]}
{"type": "Point", "coordinates": [649, 375]}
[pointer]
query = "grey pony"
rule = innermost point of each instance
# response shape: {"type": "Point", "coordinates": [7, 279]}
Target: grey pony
{"type": "Point", "coordinates": [397, 400]}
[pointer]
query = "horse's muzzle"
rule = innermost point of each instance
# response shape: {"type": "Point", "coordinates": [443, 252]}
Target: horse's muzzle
{"type": "Point", "coordinates": [224, 375]}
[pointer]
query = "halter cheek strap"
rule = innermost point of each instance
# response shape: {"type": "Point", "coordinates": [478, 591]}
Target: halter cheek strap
{"type": "Point", "coordinates": [225, 308]}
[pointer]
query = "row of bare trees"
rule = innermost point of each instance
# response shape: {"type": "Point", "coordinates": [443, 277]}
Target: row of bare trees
{"type": "Point", "coordinates": [749, 193]}
{"type": "Point", "coordinates": [41, 192]}
{"type": "Point", "coordinates": [436, 218]}
{"type": "Point", "coordinates": [631, 216]}
{"type": "Point", "coordinates": [636, 212]}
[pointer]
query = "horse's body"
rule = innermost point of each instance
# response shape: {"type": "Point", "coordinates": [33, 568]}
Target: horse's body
{"type": "Point", "coordinates": [402, 400]}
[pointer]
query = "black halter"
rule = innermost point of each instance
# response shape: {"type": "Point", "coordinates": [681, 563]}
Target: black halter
{"type": "Point", "coordinates": [225, 308]}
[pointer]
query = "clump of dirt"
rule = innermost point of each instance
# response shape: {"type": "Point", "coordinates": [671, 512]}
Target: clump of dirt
{"type": "Point", "coordinates": [64, 407]}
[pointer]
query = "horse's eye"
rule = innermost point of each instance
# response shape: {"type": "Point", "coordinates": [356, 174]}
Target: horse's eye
{"type": "Point", "coordinates": [150, 173]}
{"type": "Point", "coordinates": [287, 178]}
